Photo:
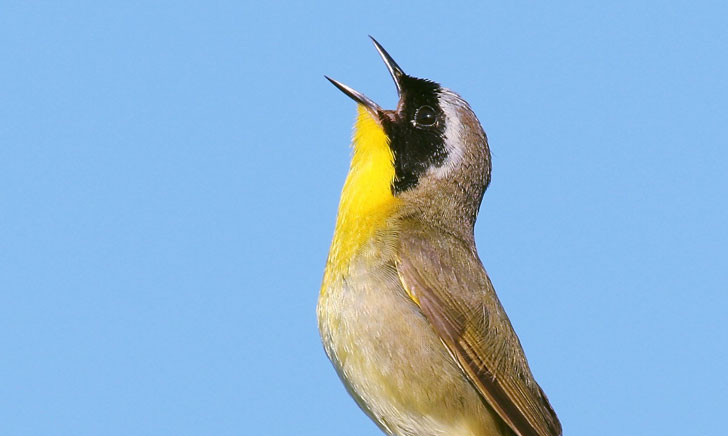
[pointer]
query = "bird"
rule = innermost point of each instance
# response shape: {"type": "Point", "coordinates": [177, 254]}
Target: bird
{"type": "Point", "coordinates": [406, 312]}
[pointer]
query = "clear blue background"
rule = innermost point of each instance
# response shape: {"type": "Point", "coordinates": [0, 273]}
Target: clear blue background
{"type": "Point", "coordinates": [169, 178]}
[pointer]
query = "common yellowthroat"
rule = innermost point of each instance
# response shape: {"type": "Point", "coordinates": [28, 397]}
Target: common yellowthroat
{"type": "Point", "coordinates": [407, 313]}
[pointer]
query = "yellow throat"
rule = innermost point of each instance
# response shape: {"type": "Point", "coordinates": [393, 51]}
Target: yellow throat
{"type": "Point", "coordinates": [366, 199]}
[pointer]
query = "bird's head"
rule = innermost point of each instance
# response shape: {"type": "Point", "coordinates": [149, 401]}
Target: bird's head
{"type": "Point", "coordinates": [430, 152]}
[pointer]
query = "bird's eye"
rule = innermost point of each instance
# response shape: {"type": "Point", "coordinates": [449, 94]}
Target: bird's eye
{"type": "Point", "coordinates": [425, 116]}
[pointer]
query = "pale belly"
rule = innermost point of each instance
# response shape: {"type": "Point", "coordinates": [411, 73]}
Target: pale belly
{"type": "Point", "coordinates": [393, 363]}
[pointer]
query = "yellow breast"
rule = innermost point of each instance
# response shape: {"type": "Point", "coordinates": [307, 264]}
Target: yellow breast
{"type": "Point", "coordinates": [366, 199]}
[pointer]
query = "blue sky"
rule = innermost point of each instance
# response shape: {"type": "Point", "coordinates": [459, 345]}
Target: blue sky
{"type": "Point", "coordinates": [170, 172]}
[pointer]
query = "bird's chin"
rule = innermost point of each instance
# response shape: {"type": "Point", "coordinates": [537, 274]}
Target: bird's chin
{"type": "Point", "coordinates": [387, 116]}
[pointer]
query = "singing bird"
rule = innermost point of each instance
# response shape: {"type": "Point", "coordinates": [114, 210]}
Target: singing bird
{"type": "Point", "coordinates": [406, 312]}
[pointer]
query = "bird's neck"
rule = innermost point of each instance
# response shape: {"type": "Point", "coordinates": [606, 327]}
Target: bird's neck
{"type": "Point", "coordinates": [366, 199]}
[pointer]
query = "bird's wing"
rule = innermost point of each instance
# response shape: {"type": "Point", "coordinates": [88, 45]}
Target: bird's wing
{"type": "Point", "coordinates": [447, 281]}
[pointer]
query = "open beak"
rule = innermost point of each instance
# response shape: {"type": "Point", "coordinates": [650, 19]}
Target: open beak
{"type": "Point", "coordinates": [394, 70]}
{"type": "Point", "coordinates": [358, 97]}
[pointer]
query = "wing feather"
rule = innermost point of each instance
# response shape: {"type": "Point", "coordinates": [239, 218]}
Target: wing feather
{"type": "Point", "coordinates": [447, 281]}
